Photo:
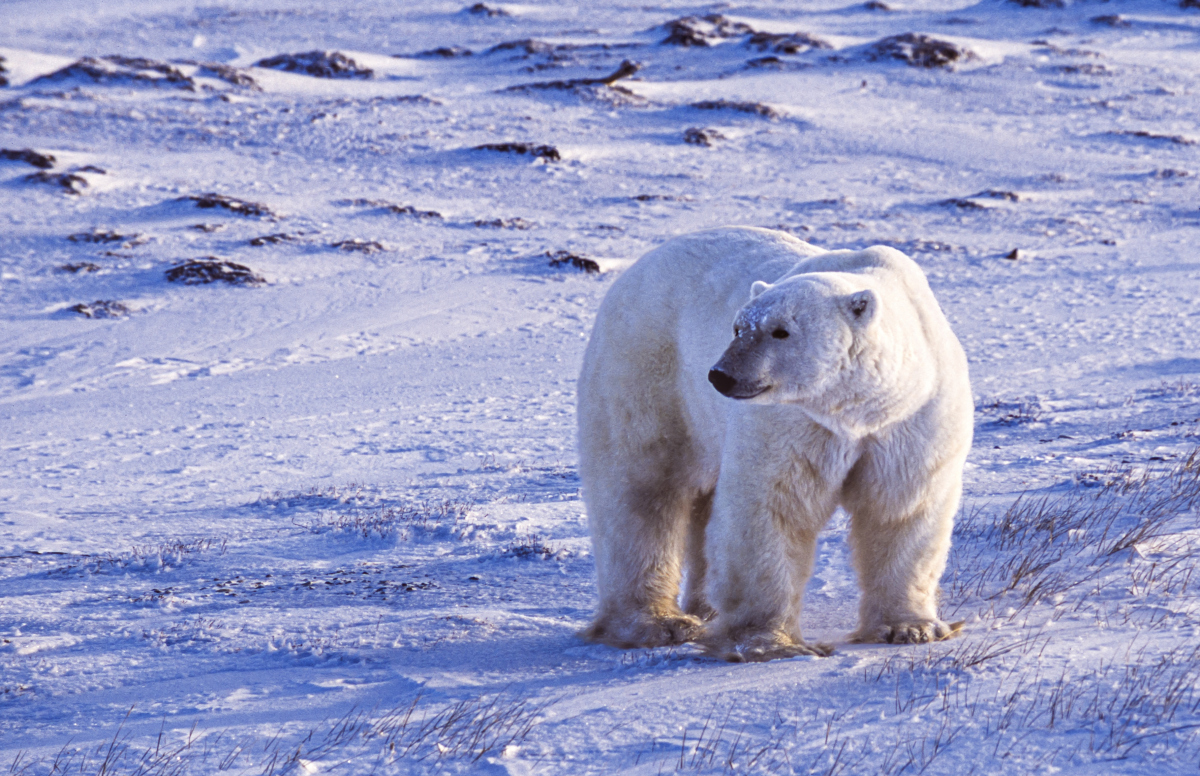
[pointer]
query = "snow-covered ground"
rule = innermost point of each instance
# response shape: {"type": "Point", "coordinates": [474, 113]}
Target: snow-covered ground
{"type": "Point", "coordinates": [326, 518]}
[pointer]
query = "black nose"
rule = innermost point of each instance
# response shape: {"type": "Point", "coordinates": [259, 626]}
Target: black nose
{"type": "Point", "coordinates": [721, 381]}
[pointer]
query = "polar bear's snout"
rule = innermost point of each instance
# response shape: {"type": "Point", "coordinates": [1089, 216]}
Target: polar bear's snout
{"type": "Point", "coordinates": [723, 382]}
{"type": "Point", "coordinates": [722, 377]}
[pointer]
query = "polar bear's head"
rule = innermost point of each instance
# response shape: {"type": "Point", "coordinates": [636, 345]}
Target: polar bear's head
{"type": "Point", "coordinates": [830, 342]}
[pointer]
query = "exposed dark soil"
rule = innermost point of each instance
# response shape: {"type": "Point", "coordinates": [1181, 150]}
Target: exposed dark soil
{"type": "Point", "coordinates": [755, 108]}
{"type": "Point", "coordinates": [547, 152]}
{"type": "Point", "coordinates": [505, 223]}
{"type": "Point", "coordinates": [272, 239]}
{"type": "Point", "coordinates": [626, 69]}
{"type": "Point", "coordinates": [68, 181]}
{"type": "Point", "coordinates": [391, 207]}
{"type": "Point", "coordinates": [701, 136]}
{"type": "Point", "coordinates": [920, 51]}
{"type": "Point", "coordinates": [360, 245]}
{"type": "Point", "coordinates": [792, 43]}
{"type": "Point", "coordinates": [964, 204]}
{"type": "Point", "coordinates": [232, 204]}
{"type": "Point", "coordinates": [479, 9]}
{"type": "Point", "coordinates": [98, 235]}
{"type": "Point", "coordinates": [102, 308]}
{"type": "Point", "coordinates": [526, 47]}
{"type": "Point", "coordinates": [1176, 139]}
{"type": "Point", "coordinates": [702, 30]}
{"type": "Point", "coordinates": [568, 259]}
{"type": "Point", "coordinates": [29, 156]}
{"type": "Point", "coordinates": [1087, 68]}
{"type": "Point", "coordinates": [446, 52]}
{"type": "Point", "coordinates": [83, 266]}
{"type": "Point", "coordinates": [120, 69]}
{"type": "Point", "coordinates": [211, 269]}
{"type": "Point", "coordinates": [321, 64]}
{"type": "Point", "coordinates": [1010, 196]}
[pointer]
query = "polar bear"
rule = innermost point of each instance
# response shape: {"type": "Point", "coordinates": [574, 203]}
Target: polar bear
{"type": "Point", "coordinates": [843, 385]}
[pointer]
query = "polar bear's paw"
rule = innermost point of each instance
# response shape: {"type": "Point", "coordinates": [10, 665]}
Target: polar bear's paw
{"type": "Point", "coordinates": [644, 631]}
{"type": "Point", "coordinates": [759, 649]}
{"type": "Point", "coordinates": [911, 632]}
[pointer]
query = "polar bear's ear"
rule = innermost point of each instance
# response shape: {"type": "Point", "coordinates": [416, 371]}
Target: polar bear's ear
{"type": "Point", "coordinates": [757, 287]}
{"type": "Point", "coordinates": [861, 306]}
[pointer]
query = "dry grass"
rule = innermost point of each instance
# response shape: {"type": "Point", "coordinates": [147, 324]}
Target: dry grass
{"type": "Point", "coordinates": [418, 733]}
{"type": "Point", "coordinates": [393, 522]}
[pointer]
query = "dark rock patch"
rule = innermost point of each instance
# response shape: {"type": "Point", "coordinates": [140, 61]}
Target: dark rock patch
{"type": "Point", "coordinates": [568, 259]}
{"type": "Point", "coordinates": [127, 70]}
{"type": "Point", "coordinates": [101, 308]}
{"type": "Point", "coordinates": [99, 235]}
{"type": "Point", "coordinates": [772, 62]}
{"type": "Point", "coordinates": [272, 239]}
{"type": "Point", "coordinates": [876, 5]}
{"type": "Point", "coordinates": [1189, 3]}
{"type": "Point", "coordinates": [226, 73]}
{"type": "Point", "coordinates": [29, 156]}
{"type": "Point", "coordinates": [660, 198]}
{"type": "Point", "coordinates": [626, 69]}
{"type": "Point", "coordinates": [391, 207]}
{"type": "Point", "coordinates": [1049, 48]}
{"type": "Point", "coordinates": [1112, 20]}
{"type": "Point", "coordinates": [83, 266]}
{"type": "Point", "coordinates": [505, 223]}
{"type": "Point", "coordinates": [964, 204]}
{"type": "Point", "coordinates": [920, 51]}
{"type": "Point", "coordinates": [755, 108]}
{"type": "Point", "coordinates": [547, 152]}
{"type": "Point", "coordinates": [792, 43]}
{"type": "Point", "coordinates": [232, 204]}
{"type": "Point", "coordinates": [1040, 3]}
{"type": "Point", "coordinates": [1170, 173]}
{"type": "Point", "coordinates": [360, 245]}
{"type": "Point", "coordinates": [1087, 68]}
{"type": "Point", "coordinates": [691, 31]}
{"type": "Point", "coordinates": [701, 136]}
{"type": "Point", "coordinates": [118, 69]}
{"type": "Point", "coordinates": [480, 9]}
{"type": "Point", "coordinates": [67, 181]}
{"type": "Point", "coordinates": [3, 70]}
{"type": "Point", "coordinates": [524, 47]}
{"type": "Point", "coordinates": [208, 228]}
{"type": "Point", "coordinates": [1141, 133]}
{"type": "Point", "coordinates": [446, 52]}
{"type": "Point", "coordinates": [211, 269]}
{"type": "Point", "coordinates": [320, 64]}
{"type": "Point", "coordinates": [409, 210]}
{"type": "Point", "coordinates": [1010, 196]}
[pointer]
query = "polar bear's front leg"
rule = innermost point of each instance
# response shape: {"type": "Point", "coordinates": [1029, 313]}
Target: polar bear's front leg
{"type": "Point", "coordinates": [900, 554]}
{"type": "Point", "coordinates": [639, 530]}
{"type": "Point", "coordinates": [761, 547]}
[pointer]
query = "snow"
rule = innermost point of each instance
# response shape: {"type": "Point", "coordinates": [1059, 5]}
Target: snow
{"type": "Point", "coordinates": [332, 523]}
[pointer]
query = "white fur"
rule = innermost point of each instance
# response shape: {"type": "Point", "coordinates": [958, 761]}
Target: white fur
{"type": "Point", "coordinates": [864, 403]}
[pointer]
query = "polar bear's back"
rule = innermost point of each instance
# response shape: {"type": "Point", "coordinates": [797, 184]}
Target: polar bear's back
{"type": "Point", "coordinates": [660, 328]}
{"type": "Point", "coordinates": [715, 268]}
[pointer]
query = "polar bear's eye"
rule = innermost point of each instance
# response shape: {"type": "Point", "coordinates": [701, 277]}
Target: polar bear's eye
{"type": "Point", "coordinates": [780, 334]}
